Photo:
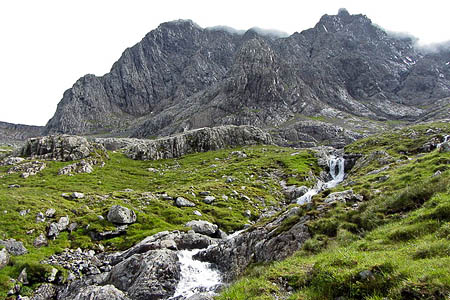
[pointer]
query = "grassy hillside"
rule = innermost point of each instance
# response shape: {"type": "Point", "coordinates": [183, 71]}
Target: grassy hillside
{"type": "Point", "coordinates": [393, 245]}
{"type": "Point", "coordinates": [239, 183]}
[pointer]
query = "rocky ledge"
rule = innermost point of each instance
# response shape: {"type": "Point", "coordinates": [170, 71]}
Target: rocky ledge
{"type": "Point", "coordinates": [198, 140]}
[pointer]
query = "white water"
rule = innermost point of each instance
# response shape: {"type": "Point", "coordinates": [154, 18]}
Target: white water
{"type": "Point", "coordinates": [336, 177]}
{"type": "Point", "coordinates": [196, 276]}
{"type": "Point", "coordinates": [446, 139]}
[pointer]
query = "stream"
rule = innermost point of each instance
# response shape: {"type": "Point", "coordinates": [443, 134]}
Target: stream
{"type": "Point", "coordinates": [198, 276]}
{"type": "Point", "coordinates": [336, 165]}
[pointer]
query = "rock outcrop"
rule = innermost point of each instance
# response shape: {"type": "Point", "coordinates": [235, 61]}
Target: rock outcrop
{"type": "Point", "coordinates": [199, 140]}
{"type": "Point", "coordinates": [261, 244]}
{"type": "Point", "coordinates": [58, 147]}
{"type": "Point", "coordinates": [17, 133]}
{"type": "Point", "coordinates": [121, 215]}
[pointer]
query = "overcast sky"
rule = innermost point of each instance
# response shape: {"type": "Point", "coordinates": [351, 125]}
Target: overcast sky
{"type": "Point", "coordinates": [47, 45]}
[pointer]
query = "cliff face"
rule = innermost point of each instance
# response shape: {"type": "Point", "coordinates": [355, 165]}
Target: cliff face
{"type": "Point", "coordinates": [183, 77]}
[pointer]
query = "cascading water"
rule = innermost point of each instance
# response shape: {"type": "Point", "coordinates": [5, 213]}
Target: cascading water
{"type": "Point", "coordinates": [446, 139]}
{"type": "Point", "coordinates": [196, 276]}
{"type": "Point", "coordinates": [336, 177]}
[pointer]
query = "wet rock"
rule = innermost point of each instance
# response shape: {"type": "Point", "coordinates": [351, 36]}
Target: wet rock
{"type": "Point", "coordinates": [261, 244]}
{"type": "Point", "coordinates": [153, 275]}
{"type": "Point", "coordinates": [121, 215]}
{"type": "Point", "coordinates": [292, 192]}
{"type": "Point", "coordinates": [203, 227]}
{"type": "Point", "coordinates": [4, 258]}
{"type": "Point", "coordinates": [182, 202]}
{"type": "Point", "coordinates": [14, 247]}
{"type": "Point", "coordinates": [203, 296]}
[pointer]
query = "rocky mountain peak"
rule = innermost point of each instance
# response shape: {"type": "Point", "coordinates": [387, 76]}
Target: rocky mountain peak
{"type": "Point", "coordinates": [181, 77]}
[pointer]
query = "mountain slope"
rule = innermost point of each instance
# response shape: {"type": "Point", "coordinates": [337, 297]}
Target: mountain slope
{"type": "Point", "coordinates": [181, 76]}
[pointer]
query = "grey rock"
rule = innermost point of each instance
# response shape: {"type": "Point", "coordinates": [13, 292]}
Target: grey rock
{"type": "Point", "coordinates": [292, 192]}
{"type": "Point", "coordinates": [76, 195]}
{"type": "Point", "coordinates": [50, 213]}
{"type": "Point", "coordinates": [198, 140]}
{"type": "Point", "coordinates": [203, 296]}
{"type": "Point", "coordinates": [247, 213]}
{"type": "Point", "coordinates": [261, 244]}
{"type": "Point", "coordinates": [59, 147]}
{"type": "Point", "coordinates": [444, 147]}
{"type": "Point", "coordinates": [209, 199]}
{"type": "Point", "coordinates": [345, 196]}
{"type": "Point", "coordinates": [27, 169]}
{"type": "Point", "coordinates": [17, 133]}
{"type": "Point", "coordinates": [40, 241]}
{"type": "Point", "coordinates": [4, 258]}
{"type": "Point", "coordinates": [105, 292]}
{"type": "Point", "coordinates": [197, 213]}
{"type": "Point", "coordinates": [12, 160]}
{"type": "Point", "coordinates": [203, 227]}
{"type": "Point", "coordinates": [45, 291]}
{"type": "Point", "coordinates": [182, 202]}
{"type": "Point", "coordinates": [52, 276]}
{"type": "Point", "coordinates": [14, 247]}
{"type": "Point", "coordinates": [40, 217]}
{"type": "Point", "coordinates": [153, 275]}
{"type": "Point", "coordinates": [23, 277]}
{"type": "Point", "coordinates": [121, 215]}
{"type": "Point", "coordinates": [63, 223]}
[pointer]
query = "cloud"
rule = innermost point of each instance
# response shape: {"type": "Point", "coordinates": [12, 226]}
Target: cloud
{"type": "Point", "coordinates": [434, 47]}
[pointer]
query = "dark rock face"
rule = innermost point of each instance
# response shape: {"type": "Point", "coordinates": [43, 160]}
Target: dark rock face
{"type": "Point", "coordinates": [262, 244]}
{"type": "Point", "coordinates": [183, 77]}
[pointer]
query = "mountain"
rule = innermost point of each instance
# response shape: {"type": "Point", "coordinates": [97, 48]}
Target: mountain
{"type": "Point", "coordinates": [341, 77]}
{"type": "Point", "coordinates": [12, 133]}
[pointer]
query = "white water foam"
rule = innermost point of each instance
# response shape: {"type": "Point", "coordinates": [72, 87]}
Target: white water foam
{"type": "Point", "coordinates": [196, 276]}
{"type": "Point", "coordinates": [446, 139]}
{"type": "Point", "coordinates": [336, 177]}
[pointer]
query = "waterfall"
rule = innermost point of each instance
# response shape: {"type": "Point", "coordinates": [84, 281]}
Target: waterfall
{"type": "Point", "coordinates": [446, 139]}
{"type": "Point", "coordinates": [336, 177]}
{"type": "Point", "coordinates": [196, 276]}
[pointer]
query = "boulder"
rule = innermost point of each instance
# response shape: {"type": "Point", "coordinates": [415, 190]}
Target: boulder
{"type": "Point", "coordinates": [4, 258]}
{"type": "Point", "coordinates": [182, 202]}
{"type": "Point", "coordinates": [121, 215]}
{"type": "Point", "coordinates": [12, 160]}
{"type": "Point", "coordinates": [344, 196]}
{"type": "Point", "coordinates": [14, 247]}
{"type": "Point", "coordinates": [209, 199]}
{"type": "Point", "coordinates": [50, 213]}
{"type": "Point", "coordinates": [59, 147]}
{"type": "Point", "coordinates": [105, 292]}
{"type": "Point", "coordinates": [203, 227]}
{"type": "Point", "coordinates": [153, 275]}
{"type": "Point", "coordinates": [40, 241]}
{"type": "Point", "coordinates": [292, 192]}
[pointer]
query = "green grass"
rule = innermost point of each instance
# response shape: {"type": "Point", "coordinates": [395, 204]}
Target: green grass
{"type": "Point", "coordinates": [400, 233]}
{"type": "Point", "coordinates": [256, 177]}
